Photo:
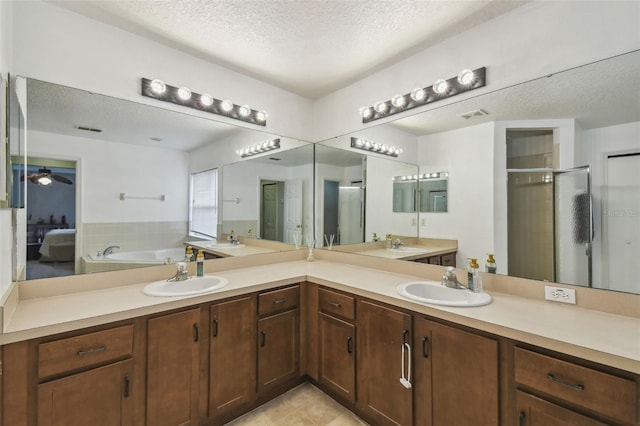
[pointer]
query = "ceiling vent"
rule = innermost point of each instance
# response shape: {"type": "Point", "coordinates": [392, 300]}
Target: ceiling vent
{"type": "Point", "coordinates": [88, 129]}
{"type": "Point", "coordinates": [474, 113]}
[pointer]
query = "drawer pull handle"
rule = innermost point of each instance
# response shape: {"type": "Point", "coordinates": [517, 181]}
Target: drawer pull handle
{"type": "Point", "coordinates": [127, 384]}
{"type": "Point", "coordinates": [425, 347]}
{"type": "Point", "coordinates": [521, 418]}
{"type": "Point", "coordinates": [263, 339]}
{"type": "Point", "coordinates": [567, 384]}
{"type": "Point", "coordinates": [334, 304]}
{"type": "Point", "coordinates": [215, 327]}
{"type": "Point", "coordinates": [92, 351]}
{"type": "Point", "coordinates": [349, 345]}
{"type": "Point", "coordinates": [278, 301]}
{"type": "Point", "coordinates": [196, 332]}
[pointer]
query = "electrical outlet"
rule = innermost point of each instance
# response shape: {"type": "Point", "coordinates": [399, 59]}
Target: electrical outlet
{"type": "Point", "coordinates": [559, 294]}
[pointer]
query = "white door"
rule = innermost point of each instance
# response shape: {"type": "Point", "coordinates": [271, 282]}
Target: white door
{"type": "Point", "coordinates": [293, 211]}
{"type": "Point", "coordinates": [621, 217]}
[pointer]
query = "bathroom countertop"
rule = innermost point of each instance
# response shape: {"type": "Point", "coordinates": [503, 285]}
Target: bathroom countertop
{"type": "Point", "coordinates": [593, 335]}
{"type": "Point", "coordinates": [424, 251]}
{"type": "Point", "coordinates": [245, 250]}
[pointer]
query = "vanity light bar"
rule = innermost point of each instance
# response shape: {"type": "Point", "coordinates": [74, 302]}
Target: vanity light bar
{"type": "Point", "coordinates": [259, 148]}
{"type": "Point", "coordinates": [465, 81]}
{"type": "Point", "coordinates": [157, 89]}
{"type": "Point", "coordinates": [380, 148]}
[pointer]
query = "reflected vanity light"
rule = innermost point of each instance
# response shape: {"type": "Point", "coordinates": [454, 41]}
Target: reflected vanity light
{"type": "Point", "coordinates": [422, 176]}
{"type": "Point", "coordinates": [380, 148]}
{"type": "Point", "coordinates": [161, 91]}
{"type": "Point", "coordinates": [465, 81]}
{"type": "Point", "coordinates": [259, 148]}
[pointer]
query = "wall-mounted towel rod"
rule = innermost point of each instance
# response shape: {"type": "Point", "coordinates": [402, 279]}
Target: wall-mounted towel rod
{"type": "Point", "coordinates": [124, 196]}
{"type": "Point", "coordinates": [235, 200]}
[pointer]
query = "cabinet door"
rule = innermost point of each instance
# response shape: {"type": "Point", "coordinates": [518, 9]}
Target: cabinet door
{"type": "Point", "coordinates": [456, 376]}
{"type": "Point", "coordinates": [96, 397]}
{"type": "Point", "coordinates": [172, 369]}
{"type": "Point", "coordinates": [337, 357]}
{"type": "Point", "coordinates": [533, 411]}
{"type": "Point", "coordinates": [232, 361]}
{"type": "Point", "coordinates": [382, 333]}
{"type": "Point", "coordinates": [278, 349]}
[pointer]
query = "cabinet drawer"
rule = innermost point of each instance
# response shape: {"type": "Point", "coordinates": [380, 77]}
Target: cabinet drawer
{"type": "Point", "coordinates": [612, 396]}
{"type": "Point", "coordinates": [87, 350]}
{"type": "Point", "coordinates": [336, 304]}
{"type": "Point", "coordinates": [435, 260]}
{"type": "Point", "coordinates": [448, 259]}
{"type": "Point", "coordinates": [277, 300]}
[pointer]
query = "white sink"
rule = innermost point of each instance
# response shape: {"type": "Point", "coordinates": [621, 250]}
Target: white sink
{"type": "Point", "coordinates": [435, 293]}
{"type": "Point", "coordinates": [224, 246]}
{"type": "Point", "coordinates": [408, 250]}
{"type": "Point", "coordinates": [191, 286]}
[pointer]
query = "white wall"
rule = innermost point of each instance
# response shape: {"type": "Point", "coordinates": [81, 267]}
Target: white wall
{"type": "Point", "coordinates": [56, 45]}
{"type": "Point", "coordinates": [467, 154]}
{"type": "Point", "coordinates": [106, 169]}
{"type": "Point", "coordinates": [531, 41]}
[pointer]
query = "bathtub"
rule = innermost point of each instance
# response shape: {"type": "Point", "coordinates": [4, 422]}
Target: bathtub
{"type": "Point", "coordinates": [131, 259]}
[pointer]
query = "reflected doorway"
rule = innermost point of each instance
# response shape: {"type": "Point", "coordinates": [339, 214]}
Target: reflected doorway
{"type": "Point", "coordinates": [343, 213]}
{"type": "Point", "coordinates": [271, 209]}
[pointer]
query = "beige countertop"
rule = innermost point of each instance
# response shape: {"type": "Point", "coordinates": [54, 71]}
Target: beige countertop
{"type": "Point", "coordinates": [243, 250]}
{"type": "Point", "coordinates": [409, 252]}
{"type": "Point", "coordinates": [597, 336]}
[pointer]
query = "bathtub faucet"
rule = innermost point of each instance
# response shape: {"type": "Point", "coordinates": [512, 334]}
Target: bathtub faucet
{"type": "Point", "coordinates": [109, 250]}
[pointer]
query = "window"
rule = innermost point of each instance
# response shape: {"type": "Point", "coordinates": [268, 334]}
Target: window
{"type": "Point", "coordinates": [203, 212]}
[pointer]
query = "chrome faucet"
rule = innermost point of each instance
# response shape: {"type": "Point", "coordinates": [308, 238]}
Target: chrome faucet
{"type": "Point", "coordinates": [450, 280]}
{"type": "Point", "coordinates": [182, 274]}
{"type": "Point", "coordinates": [396, 244]}
{"type": "Point", "coordinates": [109, 250]}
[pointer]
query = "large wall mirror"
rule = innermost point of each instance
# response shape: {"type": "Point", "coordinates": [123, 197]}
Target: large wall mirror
{"type": "Point", "coordinates": [105, 172]}
{"type": "Point", "coordinates": [545, 174]}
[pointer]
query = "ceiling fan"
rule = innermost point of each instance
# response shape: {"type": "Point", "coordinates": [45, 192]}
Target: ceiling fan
{"type": "Point", "coordinates": [44, 177]}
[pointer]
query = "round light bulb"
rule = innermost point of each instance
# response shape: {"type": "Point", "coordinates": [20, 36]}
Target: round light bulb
{"type": "Point", "coordinates": [206, 99]}
{"type": "Point", "coordinates": [418, 94]}
{"type": "Point", "coordinates": [398, 101]}
{"type": "Point", "coordinates": [44, 180]}
{"type": "Point", "coordinates": [226, 105]}
{"type": "Point", "coordinates": [440, 86]}
{"type": "Point", "coordinates": [184, 93]}
{"type": "Point", "coordinates": [381, 106]}
{"type": "Point", "coordinates": [244, 111]}
{"type": "Point", "coordinates": [465, 77]}
{"type": "Point", "coordinates": [365, 112]}
{"type": "Point", "coordinates": [261, 116]}
{"type": "Point", "coordinates": [158, 87]}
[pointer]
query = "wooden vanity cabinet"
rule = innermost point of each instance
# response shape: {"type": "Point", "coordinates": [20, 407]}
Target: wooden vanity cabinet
{"type": "Point", "coordinates": [232, 357]}
{"type": "Point", "coordinates": [173, 361]}
{"type": "Point", "coordinates": [446, 259]}
{"type": "Point", "coordinates": [278, 337]}
{"type": "Point", "coordinates": [562, 389]}
{"type": "Point", "coordinates": [337, 343]}
{"type": "Point", "coordinates": [456, 376]}
{"type": "Point", "coordinates": [383, 332]}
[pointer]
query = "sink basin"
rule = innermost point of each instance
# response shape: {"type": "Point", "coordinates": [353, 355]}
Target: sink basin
{"type": "Point", "coordinates": [407, 250]}
{"type": "Point", "coordinates": [435, 293]}
{"type": "Point", "coordinates": [224, 246]}
{"type": "Point", "coordinates": [194, 285]}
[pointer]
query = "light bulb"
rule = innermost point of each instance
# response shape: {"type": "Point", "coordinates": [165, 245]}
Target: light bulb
{"type": "Point", "coordinates": [359, 143]}
{"type": "Point", "coordinates": [418, 94]}
{"type": "Point", "coordinates": [380, 106]}
{"type": "Point", "coordinates": [244, 111]}
{"type": "Point", "coordinates": [44, 180]}
{"type": "Point", "coordinates": [184, 93]}
{"type": "Point", "coordinates": [261, 116]}
{"type": "Point", "coordinates": [440, 86]}
{"type": "Point", "coordinates": [226, 105]}
{"type": "Point", "coordinates": [158, 87]}
{"type": "Point", "coordinates": [365, 112]}
{"type": "Point", "coordinates": [398, 101]}
{"type": "Point", "coordinates": [466, 77]}
{"type": "Point", "coordinates": [206, 99]}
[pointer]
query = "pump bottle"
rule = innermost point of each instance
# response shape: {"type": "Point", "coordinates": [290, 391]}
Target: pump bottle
{"type": "Point", "coordinates": [200, 264]}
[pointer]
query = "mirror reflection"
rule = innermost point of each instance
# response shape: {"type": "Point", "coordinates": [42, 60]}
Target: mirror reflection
{"type": "Point", "coordinates": [130, 167]}
{"type": "Point", "coordinates": [545, 175]}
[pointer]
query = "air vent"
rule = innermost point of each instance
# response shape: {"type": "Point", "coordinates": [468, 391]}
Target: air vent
{"type": "Point", "coordinates": [88, 129]}
{"type": "Point", "coordinates": [474, 113]}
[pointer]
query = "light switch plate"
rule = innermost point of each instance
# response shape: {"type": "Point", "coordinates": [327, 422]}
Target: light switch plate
{"type": "Point", "coordinates": [559, 294]}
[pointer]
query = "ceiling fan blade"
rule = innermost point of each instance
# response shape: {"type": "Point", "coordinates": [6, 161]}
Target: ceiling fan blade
{"type": "Point", "coordinates": [61, 179]}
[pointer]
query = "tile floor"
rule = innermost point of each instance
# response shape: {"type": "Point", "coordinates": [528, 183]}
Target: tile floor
{"type": "Point", "coordinates": [305, 405]}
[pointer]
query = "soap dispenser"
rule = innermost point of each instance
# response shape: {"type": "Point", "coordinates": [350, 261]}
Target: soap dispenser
{"type": "Point", "coordinates": [200, 264]}
{"type": "Point", "coordinates": [389, 241]}
{"type": "Point", "coordinates": [475, 279]}
{"type": "Point", "coordinates": [188, 255]}
{"type": "Point", "coordinates": [490, 265]}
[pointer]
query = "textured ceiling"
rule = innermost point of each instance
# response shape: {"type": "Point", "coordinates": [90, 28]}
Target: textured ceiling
{"type": "Point", "coordinates": [308, 47]}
